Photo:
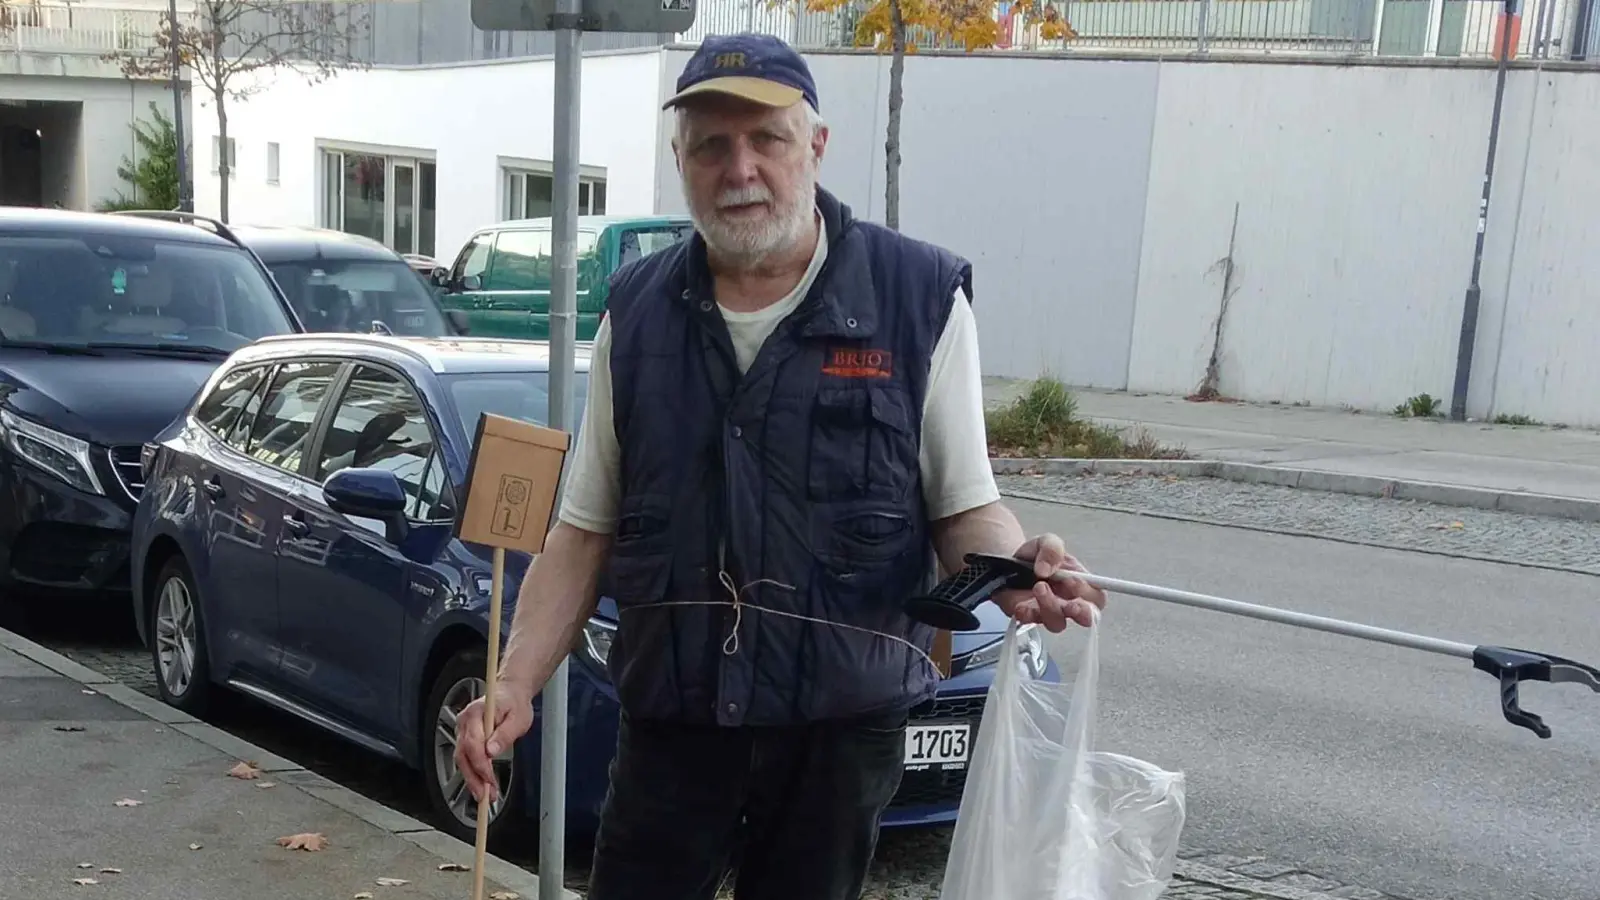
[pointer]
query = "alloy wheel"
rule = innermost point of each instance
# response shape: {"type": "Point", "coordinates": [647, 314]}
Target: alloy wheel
{"type": "Point", "coordinates": [175, 637]}
{"type": "Point", "coordinates": [452, 786]}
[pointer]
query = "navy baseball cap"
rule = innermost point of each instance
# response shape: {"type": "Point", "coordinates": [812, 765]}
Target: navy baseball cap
{"type": "Point", "coordinates": [755, 67]}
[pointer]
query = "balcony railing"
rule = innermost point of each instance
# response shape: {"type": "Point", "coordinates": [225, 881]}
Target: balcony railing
{"type": "Point", "coordinates": [59, 27]}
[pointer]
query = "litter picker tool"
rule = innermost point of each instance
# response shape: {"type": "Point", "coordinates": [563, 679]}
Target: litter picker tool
{"type": "Point", "coordinates": [511, 491]}
{"type": "Point", "coordinates": [951, 603]}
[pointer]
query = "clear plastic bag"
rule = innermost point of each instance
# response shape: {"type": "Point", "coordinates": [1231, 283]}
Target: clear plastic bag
{"type": "Point", "coordinates": [1044, 815]}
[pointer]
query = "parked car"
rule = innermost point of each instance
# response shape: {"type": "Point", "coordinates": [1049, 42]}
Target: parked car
{"type": "Point", "coordinates": [346, 282]}
{"type": "Point", "coordinates": [501, 278]}
{"type": "Point", "coordinates": [109, 323]}
{"type": "Point", "coordinates": [295, 543]}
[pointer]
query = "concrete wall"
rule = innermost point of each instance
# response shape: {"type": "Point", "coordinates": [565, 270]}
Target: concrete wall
{"type": "Point", "coordinates": [1096, 199]}
{"type": "Point", "coordinates": [86, 138]}
{"type": "Point", "coordinates": [465, 117]}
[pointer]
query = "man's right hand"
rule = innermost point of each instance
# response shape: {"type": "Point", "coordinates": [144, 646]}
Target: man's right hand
{"type": "Point", "coordinates": [513, 712]}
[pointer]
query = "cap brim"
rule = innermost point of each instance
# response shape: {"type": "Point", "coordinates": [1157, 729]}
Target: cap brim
{"type": "Point", "coordinates": [756, 90]}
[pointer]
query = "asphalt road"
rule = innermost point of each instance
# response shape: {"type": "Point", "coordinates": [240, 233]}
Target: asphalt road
{"type": "Point", "coordinates": [1370, 764]}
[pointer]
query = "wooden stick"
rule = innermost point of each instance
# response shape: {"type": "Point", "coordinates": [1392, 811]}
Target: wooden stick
{"type": "Point", "coordinates": [496, 587]}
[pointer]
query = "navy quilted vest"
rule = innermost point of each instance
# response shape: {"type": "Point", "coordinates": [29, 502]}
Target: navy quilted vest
{"type": "Point", "coordinates": [803, 471]}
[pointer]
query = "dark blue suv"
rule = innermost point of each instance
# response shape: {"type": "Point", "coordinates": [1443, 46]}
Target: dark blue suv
{"type": "Point", "coordinates": [109, 323]}
{"type": "Point", "coordinates": [295, 543]}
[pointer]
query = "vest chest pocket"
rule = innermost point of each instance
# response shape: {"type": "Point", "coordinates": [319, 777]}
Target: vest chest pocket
{"type": "Point", "coordinates": [862, 443]}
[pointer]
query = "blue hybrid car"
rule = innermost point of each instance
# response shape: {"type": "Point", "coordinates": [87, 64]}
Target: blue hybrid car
{"type": "Point", "coordinates": [294, 542]}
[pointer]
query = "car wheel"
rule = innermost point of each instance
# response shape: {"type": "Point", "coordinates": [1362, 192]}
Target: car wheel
{"type": "Point", "coordinates": [178, 640]}
{"type": "Point", "coordinates": [459, 682]}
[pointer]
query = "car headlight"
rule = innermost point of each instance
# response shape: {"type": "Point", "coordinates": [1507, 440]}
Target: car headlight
{"type": "Point", "coordinates": [1030, 646]}
{"type": "Point", "coordinates": [62, 455]}
{"type": "Point", "coordinates": [597, 637]}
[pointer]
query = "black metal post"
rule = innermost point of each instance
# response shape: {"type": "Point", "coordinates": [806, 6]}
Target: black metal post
{"type": "Point", "coordinates": [1469, 312]}
{"type": "Point", "coordinates": [185, 198]}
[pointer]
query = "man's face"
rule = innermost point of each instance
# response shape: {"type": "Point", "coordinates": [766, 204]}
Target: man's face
{"type": "Point", "coordinates": [749, 174]}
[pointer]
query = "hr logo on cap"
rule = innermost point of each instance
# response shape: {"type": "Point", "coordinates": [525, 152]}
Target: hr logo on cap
{"type": "Point", "coordinates": [729, 61]}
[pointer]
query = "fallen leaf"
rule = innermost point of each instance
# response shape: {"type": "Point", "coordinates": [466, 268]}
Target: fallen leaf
{"type": "Point", "coordinates": [505, 895]}
{"type": "Point", "coordinates": [310, 841]}
{"type": "Point", "coordinates": [85, 865]}
{"type": "Point", "coordinates": [267, 784]}
{"type": "Point", "coordinates": [69, 727]}
{"type": "Point", "coordinates": [128, 802]}
{"type": "Point", "coordinates": [85, 881]}
{"type": "Point", "coordinates": [87, 691]}
{"type": "Point", "coordinates": [245, 771]}
{"type": "Point", "coordinates": [391, 882]}
{"type": "Point", "coordinates": [111, 870]}
{"type": "Point", "coordinates": [364, 895]}
{"type": "Point", "coordinates": [453, 867]}
{"type": "Point", "coordinates": [194, 846]}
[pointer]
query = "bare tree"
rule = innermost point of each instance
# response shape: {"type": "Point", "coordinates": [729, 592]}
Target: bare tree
{"type": "Point", "coordinates": [227, 39]}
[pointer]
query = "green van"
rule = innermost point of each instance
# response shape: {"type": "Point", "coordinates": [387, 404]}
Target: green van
{"type": "Point", "coordinates": [501, 278]}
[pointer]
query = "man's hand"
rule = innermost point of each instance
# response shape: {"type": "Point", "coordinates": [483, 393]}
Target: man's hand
{"type": "Point", "coordinates": [1057, 596]}
{"type": "Point", "coordinates": [513, 712]}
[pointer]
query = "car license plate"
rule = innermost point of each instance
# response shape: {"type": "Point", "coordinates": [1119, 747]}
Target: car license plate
{"type": "Point", "coordinates": [942, 746]}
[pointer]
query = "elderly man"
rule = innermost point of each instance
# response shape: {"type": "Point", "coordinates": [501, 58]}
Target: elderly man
{"type": "Point", "coordinates": [784, 436]}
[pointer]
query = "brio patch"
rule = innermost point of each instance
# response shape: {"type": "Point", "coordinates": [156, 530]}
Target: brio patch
{"type": "Point", "coordinates": [857, 362]}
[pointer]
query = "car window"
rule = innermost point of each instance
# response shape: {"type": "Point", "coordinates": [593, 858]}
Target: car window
{"type": "Point", "coordinates": [523, 261]}
{"type": "Point", "coordinates": [360, 295]}
{"type": "Point", "coordinates": [123, 290]}
{"type": "Point", "coordinates": [282, 428]}
{"type": "Point", "coordinates": [379, 424]}
{"type": "Point", "coordinates": [637, 243]}
{"type": "Point", "coordinates": [234, 399]}
{"type": "Point", "coordinates": [474, 259]}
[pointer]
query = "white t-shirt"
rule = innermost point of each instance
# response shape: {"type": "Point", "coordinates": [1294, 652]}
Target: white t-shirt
{"type": "Point", "coordinates": [956, 475]}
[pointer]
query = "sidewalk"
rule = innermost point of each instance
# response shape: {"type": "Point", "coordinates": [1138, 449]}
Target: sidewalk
{"type": "Point", "coordinates": [1368, 449]}
{"type": "Point", "coordinates": [104, 783]}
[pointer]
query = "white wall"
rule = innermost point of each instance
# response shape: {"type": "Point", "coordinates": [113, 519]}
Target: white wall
{"type": "Point", "coordinates": [1096, 200]}
{"type": "Point", "coordinates": [466, 116]}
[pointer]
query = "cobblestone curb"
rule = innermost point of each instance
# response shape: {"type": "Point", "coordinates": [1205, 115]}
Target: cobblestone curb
{"type": "Point", "coordinates": [1523, 502]}
{"type": "Point", "coordinates": [431, 840]}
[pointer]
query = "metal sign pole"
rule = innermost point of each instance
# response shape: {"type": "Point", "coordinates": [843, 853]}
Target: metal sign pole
{"type": "Point", "coordinates": [563, 335]}
{"type": "Point", "coordinates": [568, 19]}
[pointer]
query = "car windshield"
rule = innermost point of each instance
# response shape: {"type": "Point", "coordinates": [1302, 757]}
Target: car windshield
{"type": "Point", "coordinates": [135, 292]}
{"type": "Point", "coordinates": [360, 295]}
{"type": "Point", "coordinates": [515, 395]}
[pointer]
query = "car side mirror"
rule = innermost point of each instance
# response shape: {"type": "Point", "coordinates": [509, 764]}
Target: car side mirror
{"type": "Point", "coordinates": [472, 283]}
{"type": "Point", "coordinates": [369, 494]}
{"type": "Point", "coordinates": [458, 318]}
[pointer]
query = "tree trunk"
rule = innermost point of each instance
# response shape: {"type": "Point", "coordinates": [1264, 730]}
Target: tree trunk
{"type": "Point", "coordinates": [891, 144]}
{"type": "Point", "coordinates": [223, 169]}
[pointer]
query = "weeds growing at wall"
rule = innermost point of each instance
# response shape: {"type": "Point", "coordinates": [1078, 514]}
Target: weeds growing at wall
{"type": "Point", "coordinates": [1043, 422]}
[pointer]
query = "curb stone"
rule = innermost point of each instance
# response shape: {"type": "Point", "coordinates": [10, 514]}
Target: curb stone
{"type": "Point", "coordinates": [1523, 502]}
{"type": "Point", "coordinates": [424, 836]}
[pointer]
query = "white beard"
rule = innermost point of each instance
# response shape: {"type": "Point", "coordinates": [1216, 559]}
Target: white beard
{"type": "Point", "coordinates": [749, 243]}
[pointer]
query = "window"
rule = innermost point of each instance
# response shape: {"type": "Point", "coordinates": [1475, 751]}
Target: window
{"type": "Point", "coordinates": [281, 430]}
{"type": "Point", "coordinates": [640, 242]}
{"type": "Point", "coordinates": [474, 258]}
{"type": "Point", "coordinates": [272, 162]}
{"type": "Point", "coordinates": [105, 287]}
{"type": "Point", "coordinates": [359, 295]}
{"type": "Point", "coordinates": [515, 395]}
{"type": "Point", "coordinates": [523, 261]}
{"type": "Point", "coordinates": [391, 199]}
{"type": "Point", "coordinates": [233, 401]}
{"type": "Point", "coordinates": [531, 194]}
{"type": "Point", "coordinates": [216, 156]}
{"type": "Point", "coordinates": [380, 424]}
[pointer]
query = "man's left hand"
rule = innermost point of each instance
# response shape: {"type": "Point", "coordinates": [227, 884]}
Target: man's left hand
{"type": "Point", "coordinates": [1057, 596]}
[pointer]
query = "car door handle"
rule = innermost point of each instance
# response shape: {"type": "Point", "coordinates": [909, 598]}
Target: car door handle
{"type": "Point", "coordinates": [213, 487]}
{"type": "Point", "coordinates": [295, 525]}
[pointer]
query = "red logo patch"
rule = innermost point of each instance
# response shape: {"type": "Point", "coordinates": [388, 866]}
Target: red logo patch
{"type": "Point", "coordinates": [853, 362]}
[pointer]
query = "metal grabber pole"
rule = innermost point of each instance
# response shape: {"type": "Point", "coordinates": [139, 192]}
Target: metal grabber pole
{"type": "Point", "coordinates": [951, 603]}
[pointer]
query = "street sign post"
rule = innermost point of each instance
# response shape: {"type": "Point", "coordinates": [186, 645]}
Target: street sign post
{"type": "Point", "coordinates": [568, 19]}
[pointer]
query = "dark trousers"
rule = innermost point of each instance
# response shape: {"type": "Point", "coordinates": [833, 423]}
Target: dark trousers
{"type": "Point", "coordinates": [796, 809]}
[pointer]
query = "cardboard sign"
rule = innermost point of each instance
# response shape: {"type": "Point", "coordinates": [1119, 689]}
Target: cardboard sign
{"type": "Point", "coordinates": [511, 484]}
